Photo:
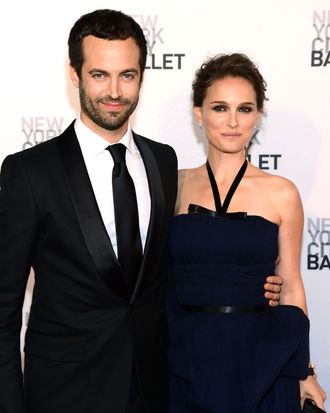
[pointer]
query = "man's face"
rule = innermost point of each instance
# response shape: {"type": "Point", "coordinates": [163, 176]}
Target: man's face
{"type": "Point", "coordinates": [109, 85]}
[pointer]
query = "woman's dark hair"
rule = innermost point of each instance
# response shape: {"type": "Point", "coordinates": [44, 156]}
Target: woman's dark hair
{"type": "Point", "coordinates": [105, 24]}
{"type": "Point", "coordinates": [223, 65]}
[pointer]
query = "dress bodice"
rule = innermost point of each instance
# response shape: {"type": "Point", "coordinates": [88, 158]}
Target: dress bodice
{"type": "Point", "coordinates": [221, 261]}
{"type": "Point", "coordinates": [222, 258]}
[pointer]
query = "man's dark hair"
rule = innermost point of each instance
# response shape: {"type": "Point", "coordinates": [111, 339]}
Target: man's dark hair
{"type": "Point", "coordinates": [105, 24]}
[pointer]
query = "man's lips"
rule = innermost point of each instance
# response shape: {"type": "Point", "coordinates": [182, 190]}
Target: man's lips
{"type": "Point", "coordinates": [113, 106]}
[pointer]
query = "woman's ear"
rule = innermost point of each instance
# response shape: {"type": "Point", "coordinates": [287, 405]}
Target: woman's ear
{"type": "Point", "coordinates": [198, 115]}
{"type": "Point", "coordinates": [259, 118]}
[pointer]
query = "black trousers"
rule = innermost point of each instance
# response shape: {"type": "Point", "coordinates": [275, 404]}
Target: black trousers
{"type": "Point", "coordinates": [135, 404]}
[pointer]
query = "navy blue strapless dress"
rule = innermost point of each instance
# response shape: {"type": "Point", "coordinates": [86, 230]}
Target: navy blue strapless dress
{"type": "Point", "coordinates": [241, 362]}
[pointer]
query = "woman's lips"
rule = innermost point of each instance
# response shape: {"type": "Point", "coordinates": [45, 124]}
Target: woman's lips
{"type": "Point", "coordinates": [231, 134]}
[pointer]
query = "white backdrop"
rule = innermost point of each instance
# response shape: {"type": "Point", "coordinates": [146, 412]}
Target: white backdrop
{"type": "Point", "coordinates": [288, 39]}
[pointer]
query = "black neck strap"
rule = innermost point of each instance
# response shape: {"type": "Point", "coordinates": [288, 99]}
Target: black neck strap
{"type": "Point", "coordinates": [222, 209]}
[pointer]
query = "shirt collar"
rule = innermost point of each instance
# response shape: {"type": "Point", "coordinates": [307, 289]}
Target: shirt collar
{"type": "Point", "coordinates": [93, 144]}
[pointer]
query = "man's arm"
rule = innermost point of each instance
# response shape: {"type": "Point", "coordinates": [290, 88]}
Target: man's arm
{"type": "Point", "coordinates": [17, 229]}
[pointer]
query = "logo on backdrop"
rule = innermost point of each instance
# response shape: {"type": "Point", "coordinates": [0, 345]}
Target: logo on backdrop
{"type": "Point", "coordinates": [320, 54]}
{"type": "Point", "coordinates": [158, 57]}
{"type": "Point", "coordinates": [39, 129]}
{"type": "Point", "coordinates": [263, 160]}
{"type": "Point", "coordinates": [318, 244]}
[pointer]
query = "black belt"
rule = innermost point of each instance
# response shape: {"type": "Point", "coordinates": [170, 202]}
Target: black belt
{"type": "Point", "coordinates": [227, 309]}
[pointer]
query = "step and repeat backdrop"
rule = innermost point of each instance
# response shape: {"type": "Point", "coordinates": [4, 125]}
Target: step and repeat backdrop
{"type": "Point", "coordinates": [288, 39]}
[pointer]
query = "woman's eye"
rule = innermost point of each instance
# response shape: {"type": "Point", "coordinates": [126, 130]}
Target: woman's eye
{"type": "Point", "coordinates": [219, 108]}
{"type": "Point", "coordinates": [245, 109]}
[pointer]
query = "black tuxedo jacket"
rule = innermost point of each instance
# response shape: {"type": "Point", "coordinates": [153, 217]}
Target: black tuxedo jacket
{"type": "Point", "coordinates": [82, 334]}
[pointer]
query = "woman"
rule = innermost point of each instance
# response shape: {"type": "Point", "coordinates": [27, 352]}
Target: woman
{"type": "Point", "coordinates": [229, 351]}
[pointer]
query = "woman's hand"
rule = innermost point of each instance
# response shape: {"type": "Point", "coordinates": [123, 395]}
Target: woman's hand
{"type": "Point", "coordinates": [311, 389]}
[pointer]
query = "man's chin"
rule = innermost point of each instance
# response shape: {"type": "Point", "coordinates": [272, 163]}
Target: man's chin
{"type": "Point", "coordinates": [112, 126]}
{"type": "Point", "coordinates": [109, 120]}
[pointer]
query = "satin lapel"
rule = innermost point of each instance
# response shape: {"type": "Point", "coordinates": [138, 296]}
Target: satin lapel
{"type": "Point", "coordinates": [157, 205]}
{"type": "Point", "coordinates": [91, 223]}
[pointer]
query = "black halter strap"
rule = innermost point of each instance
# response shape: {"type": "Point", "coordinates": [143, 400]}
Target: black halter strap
{"type": "Point", "coordinates": [222, 209]}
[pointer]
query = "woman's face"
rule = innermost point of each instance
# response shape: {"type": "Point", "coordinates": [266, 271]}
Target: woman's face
{"type": "Point", "coordinates": [229, 114]}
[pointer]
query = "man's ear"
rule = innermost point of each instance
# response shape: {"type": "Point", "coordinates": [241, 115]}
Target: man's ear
{"type": "Point", "coordinates": [74, 76]}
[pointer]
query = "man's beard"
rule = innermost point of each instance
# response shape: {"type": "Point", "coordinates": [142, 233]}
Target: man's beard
{"type": "Point", "coordinates": [107, 120]}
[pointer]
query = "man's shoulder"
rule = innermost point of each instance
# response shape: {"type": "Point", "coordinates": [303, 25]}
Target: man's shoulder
{"type": "Point", "coordinates": [155, 146]}
{"type": "Point", "coordinates": [44, 148]}
{"type": "Point", "coordinates": [40, 154]}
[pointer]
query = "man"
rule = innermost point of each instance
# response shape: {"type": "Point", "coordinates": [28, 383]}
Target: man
{"type": "Point", "coordinates": [95, 338]}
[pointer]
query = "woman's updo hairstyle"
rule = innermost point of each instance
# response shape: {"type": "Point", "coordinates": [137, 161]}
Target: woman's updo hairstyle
{"type": "Point", "coordinates": [223, 65]}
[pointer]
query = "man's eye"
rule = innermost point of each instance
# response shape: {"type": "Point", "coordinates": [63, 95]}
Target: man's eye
{"type": "Point", "coordinates": [128, 75]}
{"type": "Point", "coordinates": [98, 75]}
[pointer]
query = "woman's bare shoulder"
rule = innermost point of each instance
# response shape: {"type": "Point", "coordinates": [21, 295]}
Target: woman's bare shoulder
{"type": "Point", "coordinates": [271, 182]}
{"type": "Point", "coordinates": [189, 174]}
{"type": "Point", "coordinates": [283, 187]}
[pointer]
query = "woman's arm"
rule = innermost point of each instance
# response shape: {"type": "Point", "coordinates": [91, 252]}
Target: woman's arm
{"type": "Point", "coordinates": [290, 238]}
{"type": "Point", "coordinates": [293, 293]}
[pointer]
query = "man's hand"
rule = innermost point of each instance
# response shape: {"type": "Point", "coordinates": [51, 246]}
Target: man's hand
{"type": "Point", "coordinates": [273, 289]}
{"type": "Point", "coordinates": [311, 389]}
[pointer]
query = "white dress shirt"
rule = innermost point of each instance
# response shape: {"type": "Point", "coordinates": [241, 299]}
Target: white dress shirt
{"type": "Point", "coordinates": [99, 164]}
